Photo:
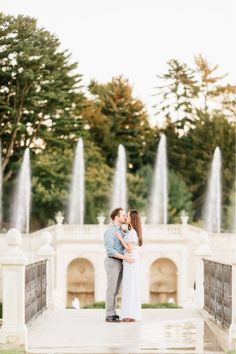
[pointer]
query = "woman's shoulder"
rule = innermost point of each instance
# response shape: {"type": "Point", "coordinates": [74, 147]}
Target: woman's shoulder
{"type": "Point", "coordinates": [132, 232]}
{"type": "Point", "coordinates": [132, 235]}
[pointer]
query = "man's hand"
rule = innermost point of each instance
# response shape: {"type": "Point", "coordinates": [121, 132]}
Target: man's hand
{"type": "Point", "coordinates": [129, 260]}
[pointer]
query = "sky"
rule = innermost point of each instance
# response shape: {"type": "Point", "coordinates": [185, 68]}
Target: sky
{"type": "Point", "coordinates": [136, 38]}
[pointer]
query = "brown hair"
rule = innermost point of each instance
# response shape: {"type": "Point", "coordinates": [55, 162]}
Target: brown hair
{"type": "Point", "coordinates": [115, 212]}
{"type": "Point", "coordinates": [135, 221]}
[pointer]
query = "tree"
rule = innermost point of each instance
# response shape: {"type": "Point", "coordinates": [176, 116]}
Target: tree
{"type": "Point", "coordinates": [206, 107]}
{"type": "Point", "coordinates": [175, 95]}
{"type": "Point", "coordinates": [50, 185]}
{"type": "Point", "coordinates": [52, 178]}
{"type": "Point", "coordinates": [98, 184]}
{"type": "Point", "coordinates": [188, 93]}
{"type": "Point", "coordinates": [39, 90]}
{"type": "Point", "coordinates": [137, 193]}
{"type": "Point", "coordinates": [116, 117]}
{"type": "Point", "coordinates": [214, 94]}
{"type": "Point", "coordinates": [191, 156]}
{"type": "Point", "coordinates": [180, 198]}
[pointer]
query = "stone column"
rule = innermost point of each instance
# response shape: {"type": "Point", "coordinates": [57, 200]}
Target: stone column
{"type": "Point", "coordinates": [232, 329]}
{"type": "Point", "coordinates": [202, 251]}
{"type": "Point", "coordinates": [14, 330]}
{"type": "Point", "coordinates": [47, 252]}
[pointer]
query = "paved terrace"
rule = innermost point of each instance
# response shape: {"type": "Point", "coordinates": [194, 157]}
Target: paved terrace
{"type": "Point", "coordinates": [162, 331]}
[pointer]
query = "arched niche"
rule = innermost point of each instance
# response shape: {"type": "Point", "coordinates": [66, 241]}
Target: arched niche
{"type": "Point", "coordinates": [163, 281]}
{"type": "Point", "coordinates": [80, 281]}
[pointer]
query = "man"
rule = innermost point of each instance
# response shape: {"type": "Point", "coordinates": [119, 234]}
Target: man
{"type": "Point", "coordinates": [113, 262]}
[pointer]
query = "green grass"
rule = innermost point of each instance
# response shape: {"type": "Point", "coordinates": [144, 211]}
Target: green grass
{"type": "Point", "coordinates": [95, 305]}
{"type": "Point", "coordinates": [12, 351]}
{"type": "Point", "coordinates": [164, 305]}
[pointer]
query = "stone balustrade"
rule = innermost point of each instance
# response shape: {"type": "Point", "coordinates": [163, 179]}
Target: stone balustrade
{"type": "Point", "coordinates": [216, 284]}
{"type": "Point", "coordinates": [15, 269]}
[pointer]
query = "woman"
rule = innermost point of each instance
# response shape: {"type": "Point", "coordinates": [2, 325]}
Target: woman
{"type": "Point", "coordinates": [131, 303]}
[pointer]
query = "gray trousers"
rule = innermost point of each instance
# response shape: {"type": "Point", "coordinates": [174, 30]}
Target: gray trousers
{"type": "Point", "coordinates": [114, 272]}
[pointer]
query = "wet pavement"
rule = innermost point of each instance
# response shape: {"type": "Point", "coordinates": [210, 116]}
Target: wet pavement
{"type": "Point", "coordinates": [162, 331]}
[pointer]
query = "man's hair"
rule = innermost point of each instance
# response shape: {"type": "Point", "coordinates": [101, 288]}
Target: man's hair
{"type": "Point", "coordinates": [115, 213]}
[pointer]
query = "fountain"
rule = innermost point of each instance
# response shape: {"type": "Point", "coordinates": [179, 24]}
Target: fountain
{"type": "Point", "coordinates": [119, 197]}
{"type": "Point", "coordinates": [159, 194]}
{"type": "Point", "coordinates": [22, 196]}
{"type": "Point", "coordinates": [76, 200]}
{"type": "Point", "coordinates": [212, 210]}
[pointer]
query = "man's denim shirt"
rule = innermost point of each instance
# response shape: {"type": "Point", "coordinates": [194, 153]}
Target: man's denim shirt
{"type": "Point", "coordinates": [111, 242]}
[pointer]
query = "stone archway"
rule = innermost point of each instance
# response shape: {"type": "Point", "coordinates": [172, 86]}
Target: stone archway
{"type": "Point", "coordinates": [80, 281]}
{"type": "Point", "coordinates": [163, 281]}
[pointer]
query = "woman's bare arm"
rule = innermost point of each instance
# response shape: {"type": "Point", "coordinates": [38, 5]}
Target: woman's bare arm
{"type": "Point", "coordinates": [127, 245]}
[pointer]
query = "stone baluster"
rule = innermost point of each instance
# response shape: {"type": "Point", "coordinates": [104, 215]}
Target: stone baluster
{"type": "Point", "coordinates": [14, 330]}
{"type": "Point", "coordinates": [47, 252]}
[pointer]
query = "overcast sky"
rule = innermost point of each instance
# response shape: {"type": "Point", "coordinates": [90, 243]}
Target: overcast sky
{"type": "Point", "coordinates": [136, 38]}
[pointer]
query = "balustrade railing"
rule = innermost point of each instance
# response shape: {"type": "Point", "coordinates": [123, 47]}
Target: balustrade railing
{"type": "Point", "coordinates": [35, 289]}
{"type": "Point", "coordinates": [218, 291]}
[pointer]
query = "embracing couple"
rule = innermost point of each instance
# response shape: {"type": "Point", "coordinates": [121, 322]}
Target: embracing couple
{"type": "Point", "coordinates": [122, 265]}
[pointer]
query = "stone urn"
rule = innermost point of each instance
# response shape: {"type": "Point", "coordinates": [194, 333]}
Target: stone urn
{"type": "Point", "coordinates": [101, 219]}
{"type": "Point", "coordinates": [184, 218]}
{"type": "Point", "coordinates": [59, 217]}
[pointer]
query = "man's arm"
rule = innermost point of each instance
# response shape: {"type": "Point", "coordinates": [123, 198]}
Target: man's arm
{"type": "Point", "coordinates": [125, 258]}
{"type": "Point", "coordinates": [109, 243]}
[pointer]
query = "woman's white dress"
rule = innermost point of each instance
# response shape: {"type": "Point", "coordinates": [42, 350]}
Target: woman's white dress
{"type": "Point", "coordinates": [130, 300]}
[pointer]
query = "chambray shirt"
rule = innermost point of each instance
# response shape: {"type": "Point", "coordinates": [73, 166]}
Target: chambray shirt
{"type": "Point", "coordinates": [111, 242]}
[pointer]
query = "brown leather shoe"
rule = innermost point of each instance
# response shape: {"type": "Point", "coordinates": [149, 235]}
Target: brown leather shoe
{"type": "Point", "coordinates": [128, 320]}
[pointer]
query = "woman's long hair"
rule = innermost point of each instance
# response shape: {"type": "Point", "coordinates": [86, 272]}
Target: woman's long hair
{"type": "Point", "coordinates": [135, 221]}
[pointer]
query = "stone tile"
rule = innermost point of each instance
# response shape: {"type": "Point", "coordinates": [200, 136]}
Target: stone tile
{"type": "Point", "coordinates": [163, 331]}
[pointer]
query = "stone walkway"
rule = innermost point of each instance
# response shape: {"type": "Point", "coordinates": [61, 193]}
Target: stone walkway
{"type": "Point", "coordinates": [162, 331]}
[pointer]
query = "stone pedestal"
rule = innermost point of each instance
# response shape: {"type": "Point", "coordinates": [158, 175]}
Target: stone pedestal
{"type": "Point", "coordinates": [14, 330]}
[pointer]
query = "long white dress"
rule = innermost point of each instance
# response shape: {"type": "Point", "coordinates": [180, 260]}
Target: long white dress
{"type": "Point", "coordinates": [130, 300]}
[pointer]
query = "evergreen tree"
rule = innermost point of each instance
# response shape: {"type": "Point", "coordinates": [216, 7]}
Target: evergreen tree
{"type": "Point", "coordinates": [176, 94]}
{"type": "Point", "coordinates": [39, 90]}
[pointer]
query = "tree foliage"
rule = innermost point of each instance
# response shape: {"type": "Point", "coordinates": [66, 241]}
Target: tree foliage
{"type": "Point", "coordinates": [200, 117]}
{"type": "Point", "coordinates": [42, 106]}
{"type": "Point", "coordinates": [116, 117]}
{"type": "Point", "coordinates": [38, 89]}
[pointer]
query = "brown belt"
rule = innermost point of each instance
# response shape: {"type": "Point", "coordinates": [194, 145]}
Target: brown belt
{"type": "Point", "coordinates": [118, 259]}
